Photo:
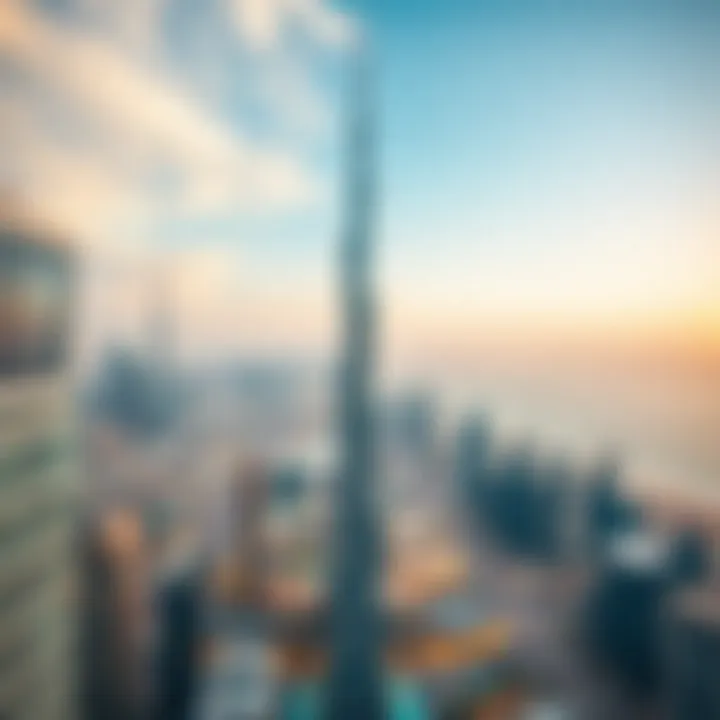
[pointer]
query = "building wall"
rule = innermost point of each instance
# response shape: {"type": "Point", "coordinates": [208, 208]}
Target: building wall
{"type": "Point", "coordinates": [37, 496]}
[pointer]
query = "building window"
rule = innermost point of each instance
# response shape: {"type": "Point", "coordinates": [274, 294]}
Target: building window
{"type": "Point", "coordinates": [35, 293]}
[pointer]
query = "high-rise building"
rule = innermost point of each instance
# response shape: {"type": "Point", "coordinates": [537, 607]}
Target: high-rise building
{"type": "Point", "coordinates": [115, 618]}
{"type": "Point", "coordinates": [412, 425]}
{"type": "Point", "coordinates": [625, 610]}
{"type": "Point", "coordinates": [249, 505]}
{"type": "Point", "coordinates": [472, 461]}
{"type": "Point", "coordinates": [692, 655]}
{"type": "Point", "coordinates": [356, 683]}
{"type": "Point", "coordinates": [37, 476]}
{"type": "Point", "coordinates": [179, 618]}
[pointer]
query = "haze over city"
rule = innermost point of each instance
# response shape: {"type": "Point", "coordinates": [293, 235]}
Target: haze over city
{"type": "Point", "coordinates": [361, 359]}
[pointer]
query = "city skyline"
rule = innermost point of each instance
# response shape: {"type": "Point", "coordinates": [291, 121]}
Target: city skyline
{"type": "Point", "coordinates": [547, 219]}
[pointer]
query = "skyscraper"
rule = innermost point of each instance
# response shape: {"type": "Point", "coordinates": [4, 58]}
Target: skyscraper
{"type": "Point", "coordinates": [692, 654]}
{"type": "Point", "coordinates": [355, 690]}
{"type": "Point", "coordinates": [116, 613]}
{"type": "Point", "coordinates": [37, 575]}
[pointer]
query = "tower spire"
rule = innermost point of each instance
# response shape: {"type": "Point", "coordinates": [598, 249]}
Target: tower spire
{"type": "Point", "coordinates": [356, 691]}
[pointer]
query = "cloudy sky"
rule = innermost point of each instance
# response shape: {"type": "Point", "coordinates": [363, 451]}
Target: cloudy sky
{"type": "Point", "coordinates": [202, 133]}
{"type": "Point", "coordinates": [547, 170]}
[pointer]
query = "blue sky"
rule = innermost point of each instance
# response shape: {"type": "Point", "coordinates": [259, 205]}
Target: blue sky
{"type": "Point", "coordinates": [569, 157]}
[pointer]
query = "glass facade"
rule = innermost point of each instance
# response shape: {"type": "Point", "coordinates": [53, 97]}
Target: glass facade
{"type": "Point", "coordinates": [37, 477]}
{"type": "Point", "coordinates": [35, 283]}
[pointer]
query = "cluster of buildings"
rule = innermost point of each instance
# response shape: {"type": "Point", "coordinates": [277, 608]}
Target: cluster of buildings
{"type": "Point", "coordinates": [646, 585]}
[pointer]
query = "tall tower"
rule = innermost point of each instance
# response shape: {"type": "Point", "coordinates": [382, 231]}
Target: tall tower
{"type": "Point", "coordinates": [356, 691]}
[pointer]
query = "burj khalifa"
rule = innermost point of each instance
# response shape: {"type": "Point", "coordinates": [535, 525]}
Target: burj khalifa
{"type": "Point", "coordinates": [355, 689]}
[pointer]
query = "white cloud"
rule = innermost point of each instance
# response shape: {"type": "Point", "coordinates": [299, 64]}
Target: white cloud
{"type": "Point", "coordinates": [70, 187]}
{"type": "Point", "coordinates": [102, 139]}
{"type": "Point", "coordinates": [288, 88]}
{"type": "Point", "coordinates": [326, 25]}
{"type": "Point", "coordinates": [141, 122]}
{"type": "Point", "coordinates": [262, 23]}
{"type": "Point", "coordinates": [134, 22]}
{"type": "Point", "coordinates": [258, 21]}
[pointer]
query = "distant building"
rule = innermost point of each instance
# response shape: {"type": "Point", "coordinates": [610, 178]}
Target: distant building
{"type": "Point", "coordinates": [179, 618]}
{"type": "Point", "coordinates": [472, 459]}
{"type": "Point", "coordinates": [116, 619]}
{"type": "Point", "coordinates": [625, 611]}
{"type": "Point", "coordinates": [691, 558]}
{"type": "Point", "coordinates": [411, 424]}
{"type": "Point", "coordinates": [547, 710]}
{"type": "Point", "coordinates": [692, 657]}
{"type": "Point", "coordinates": [249, 504]}
{"type": "Point", "coordinates": [37, 475]}
{"type": "Point", "coordinates": [239, 682]}
{"type": "Point", "coordinates": [609, 511]}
